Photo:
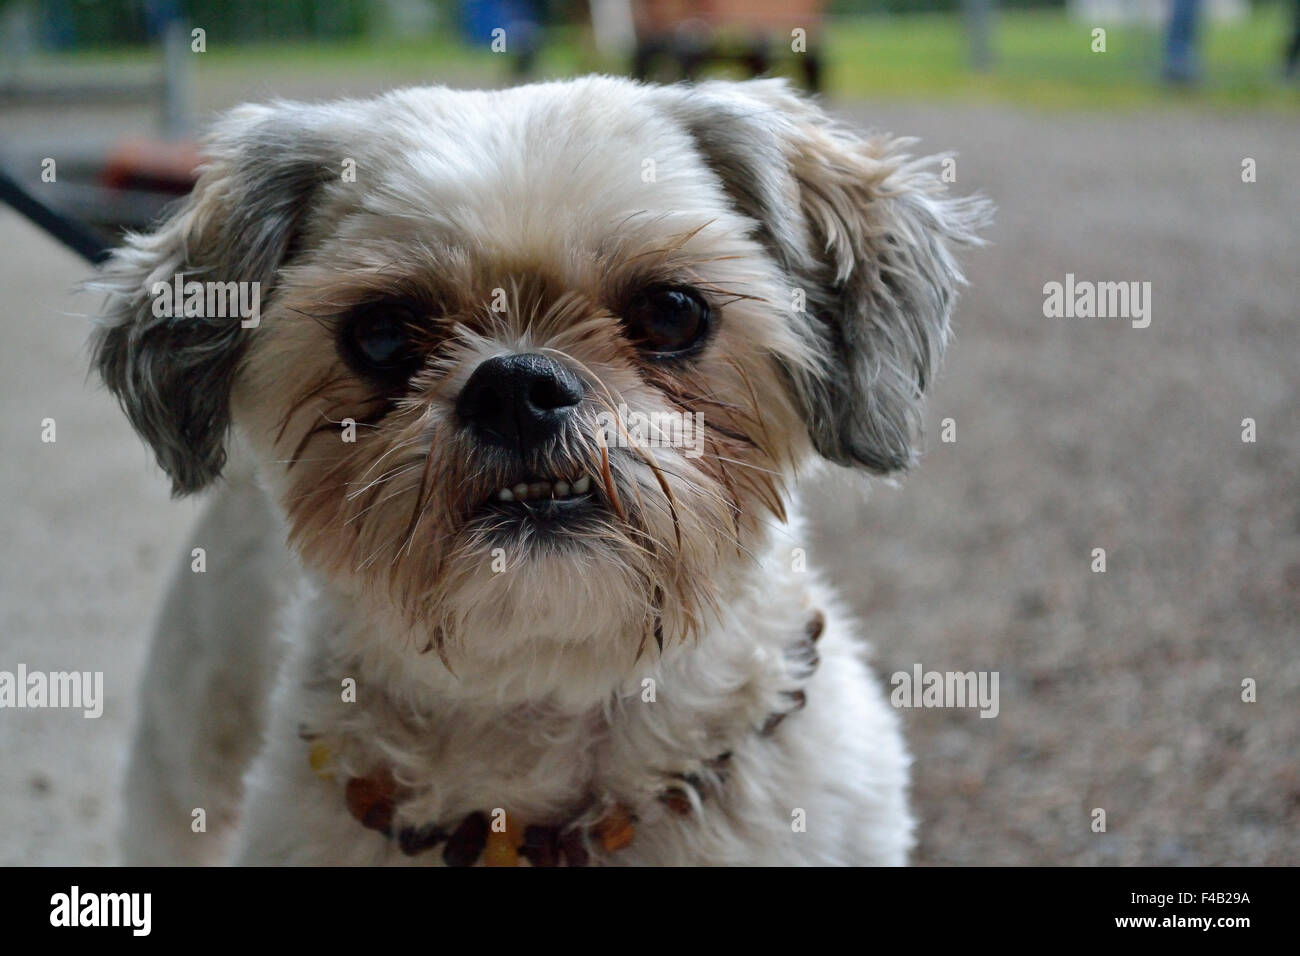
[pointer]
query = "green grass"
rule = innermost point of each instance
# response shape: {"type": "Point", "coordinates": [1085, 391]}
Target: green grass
{"type": "Point", "coordinates": [402, 61]}
{"type": "Point", "coordinates": [1043, 59]}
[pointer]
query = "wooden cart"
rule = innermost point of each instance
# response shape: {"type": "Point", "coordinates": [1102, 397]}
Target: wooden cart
{"type": "Point", "coordinates": [677, 39]}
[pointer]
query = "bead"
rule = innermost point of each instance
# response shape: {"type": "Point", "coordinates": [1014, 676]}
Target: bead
{"type": "Point", "coordinates": [676, 800]}
{"type": "Point", "coordinates": [414, 840]}
{"type": "Point", "coordinates": [692, 779]}
{"type": "Point", "coordinates": [319, 759]}
{"type": "Point", "coordinates": [466, 843]}
{"type": "Point", "coordinates": [502, 847]}
{"type": "Point", "coordinates": [541, 846]}
{"type": "Point", "coordinates": [615, 830]}
{"type": "Point", "coordinates": [370, 800]}
{"type": "Point", "coordinates": [573, 849]}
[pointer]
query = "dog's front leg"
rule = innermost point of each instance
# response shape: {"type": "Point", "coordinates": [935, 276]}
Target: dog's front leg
{"type": "Point", "coordinates": [204, 694]}
{"type": "Point", "coordinates": [295, 810]}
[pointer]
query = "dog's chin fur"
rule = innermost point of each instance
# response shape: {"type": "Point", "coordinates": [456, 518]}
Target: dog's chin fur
{"type": "Point", "coordinates": [499, 661]}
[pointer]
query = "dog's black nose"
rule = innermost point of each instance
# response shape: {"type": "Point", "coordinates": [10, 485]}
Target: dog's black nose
{"type": "Point", "coordinates": [519, 401]}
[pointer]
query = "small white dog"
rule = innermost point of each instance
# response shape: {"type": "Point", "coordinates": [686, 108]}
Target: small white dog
{"type": "Point", "coordinates": [455, 608]}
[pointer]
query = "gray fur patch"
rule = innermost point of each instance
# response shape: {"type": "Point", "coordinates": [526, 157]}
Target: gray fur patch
{"type": "Point", "coordinates": [867, 233]}
{"type": "Point", "coordinates": [173, 374]}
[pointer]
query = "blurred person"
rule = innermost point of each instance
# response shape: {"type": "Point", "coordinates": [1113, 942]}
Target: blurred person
{"type": "Point", "coordinates": [1291, 58]}
{"type": "Point", "coordinates": [1182, 66]}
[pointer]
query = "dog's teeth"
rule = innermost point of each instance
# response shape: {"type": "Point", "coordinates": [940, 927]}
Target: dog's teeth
{"type": "Point", "coordinates": [530, 491]}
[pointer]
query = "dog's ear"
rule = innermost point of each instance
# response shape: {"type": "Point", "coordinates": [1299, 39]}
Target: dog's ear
{"type": "Point", "coordinates": [866, 233]}
{"type": "Point", "coordinates": [173, 373]}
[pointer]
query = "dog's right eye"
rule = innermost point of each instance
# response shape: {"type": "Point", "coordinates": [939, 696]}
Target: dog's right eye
{"type": "Point", "coordinates": [376, 340]}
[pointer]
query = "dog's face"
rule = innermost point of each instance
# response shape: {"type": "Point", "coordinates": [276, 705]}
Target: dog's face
{"type": "Point", "coordinates": [586, 333]}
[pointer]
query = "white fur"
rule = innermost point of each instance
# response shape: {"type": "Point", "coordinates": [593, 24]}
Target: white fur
{"type": "Point", "coordinates": [841, 759]}
{"type": "Point", "coordinates": [539, 707]}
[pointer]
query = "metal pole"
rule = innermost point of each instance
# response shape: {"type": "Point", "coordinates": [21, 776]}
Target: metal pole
{"type": "Point", "coordinates": [177, 79]}
{"type": "Point", "coordinates": [979, 29]}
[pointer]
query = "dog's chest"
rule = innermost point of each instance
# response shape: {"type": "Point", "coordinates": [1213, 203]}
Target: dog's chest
{"type": "Point", "coordinates": [453, 782]}
{"type": "Point", "coordinates": [475, 783]}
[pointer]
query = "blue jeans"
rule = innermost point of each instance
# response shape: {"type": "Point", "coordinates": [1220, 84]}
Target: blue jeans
{"type": "Point", "coordinates": [1181, 63]}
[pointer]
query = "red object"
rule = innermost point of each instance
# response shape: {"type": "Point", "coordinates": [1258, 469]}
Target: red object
{"type": "Point", "coordinates": [153, 165]}
{"type": "Point", "coordinates": [658, 16]}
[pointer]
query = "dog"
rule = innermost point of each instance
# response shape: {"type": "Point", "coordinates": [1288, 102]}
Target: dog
{"type": "Point", "coordinates": [452, 607]}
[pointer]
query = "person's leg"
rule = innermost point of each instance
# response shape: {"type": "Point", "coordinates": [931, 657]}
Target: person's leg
{"type": "Point", "coordinates": [1292, 58]}
{"type": "Point", "coordinates": [1180, 42]}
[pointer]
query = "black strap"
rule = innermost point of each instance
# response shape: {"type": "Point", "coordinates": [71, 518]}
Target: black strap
{"type": "Point", "coordinates": [73, 234]}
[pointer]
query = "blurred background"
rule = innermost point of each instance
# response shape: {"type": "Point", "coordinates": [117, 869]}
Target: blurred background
{"type": "Point", "coordinates": [1122, 140]}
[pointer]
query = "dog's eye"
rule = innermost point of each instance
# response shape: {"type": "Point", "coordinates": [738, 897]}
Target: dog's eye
{"type": "Point", "coordinates": [376, 341]}
{"type": "Point", "coordinates": [667, 321]}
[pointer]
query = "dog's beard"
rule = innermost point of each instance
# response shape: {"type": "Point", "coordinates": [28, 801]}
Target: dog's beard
{"type": "Point", "coordinates": [412, 518]}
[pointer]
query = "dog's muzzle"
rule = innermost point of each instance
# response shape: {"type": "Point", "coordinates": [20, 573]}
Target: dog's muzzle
{"type": "Point", "coordinates": [522, 405]}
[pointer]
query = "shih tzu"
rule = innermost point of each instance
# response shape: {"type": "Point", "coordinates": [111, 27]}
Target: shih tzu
{"type": "Point", "coordinates": [501, 560]}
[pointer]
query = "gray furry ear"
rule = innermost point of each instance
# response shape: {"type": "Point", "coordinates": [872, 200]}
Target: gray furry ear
{"type": "Point", "coordinates": [866, 232]}
{"type": "Point", "coordinates": [173, 373]}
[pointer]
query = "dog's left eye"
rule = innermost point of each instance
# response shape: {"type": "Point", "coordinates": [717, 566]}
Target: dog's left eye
{"type": "Point", "coordinates": [376, 340]}
{"type": "Point", "coordinates": [667, 321]}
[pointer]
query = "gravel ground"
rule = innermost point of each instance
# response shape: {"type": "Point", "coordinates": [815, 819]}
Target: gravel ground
{"type": "Point", "coordinates": [1119, 691]}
